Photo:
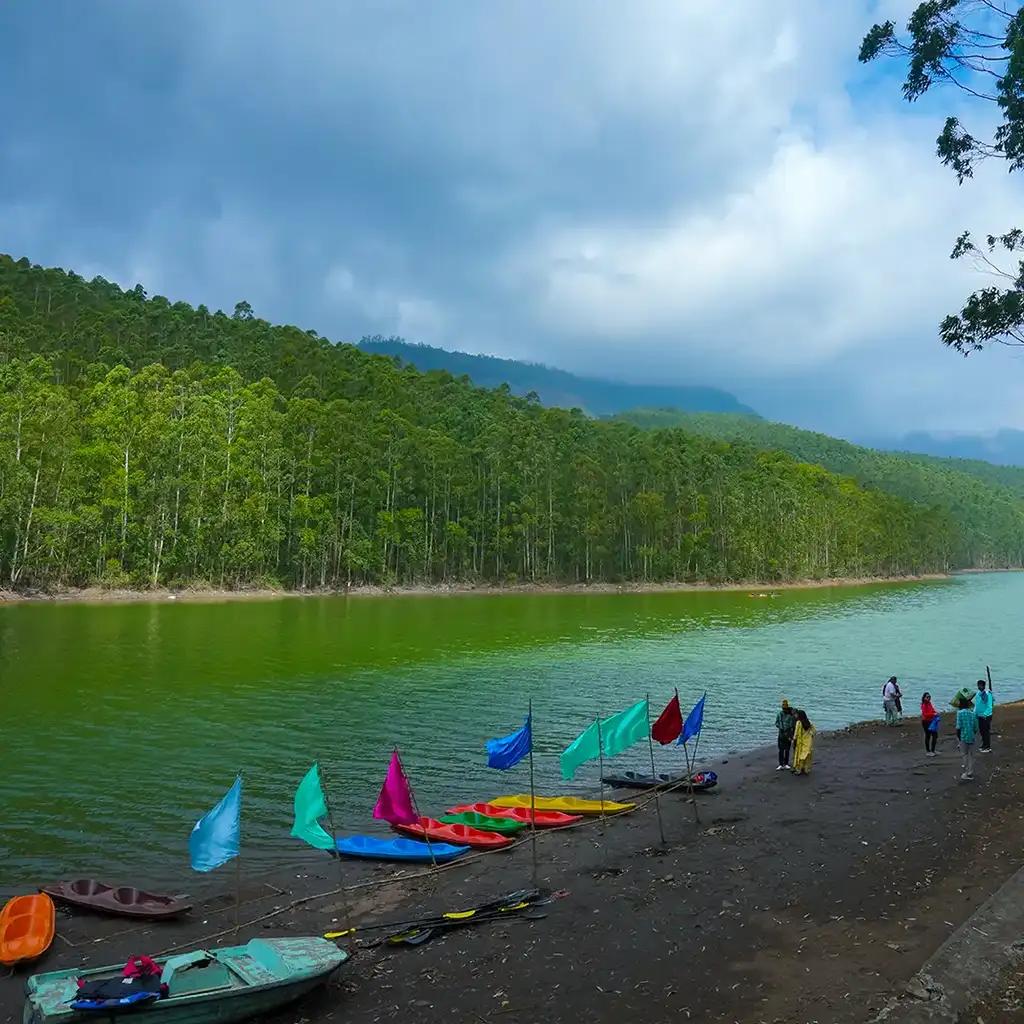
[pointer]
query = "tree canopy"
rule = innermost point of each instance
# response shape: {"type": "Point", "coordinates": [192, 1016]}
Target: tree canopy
{"type": "Point", "coordinates": [148, 443]}
{"type": "Point", "coordinates": [976, 47]}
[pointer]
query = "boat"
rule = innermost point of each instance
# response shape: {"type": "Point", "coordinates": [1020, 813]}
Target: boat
{"type": "Point", "coordinates": [637, 780]}
{"type": "Point", "coordinates": [27, 927]}
{"type": "Point", "coordinates": [461, 835]}
{"type": "Point", "coordinates": [217, 986]}
{"type": "Point", "coordinates": [107, 899]}
{"type": "Point", "coordinates": [373, 848]}
{"type": "Point", "coordinates": [566, 804]}
{"type": "Point", "coordinates": [485, 822]}
{"type": "Point", "coordinates": [541, 819]}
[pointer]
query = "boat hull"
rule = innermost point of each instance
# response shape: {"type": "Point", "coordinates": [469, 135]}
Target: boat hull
{"type": "Point", "coordinates": [409, 850]}
{"type": "Point", "coordinates": [122, 901]}
{"type": "Point", "coordinates": [541, 819]}
{"type": "Point", "coordinates": [27, 927]}
{"type": "Point", "coordinates": [566, 804]}
{"type": "Point", "coordinates": [462, 835]}
{"type": "Point", "coordinates": [257, 978]}
{"type": "Point", "coordinates": [635, 780]}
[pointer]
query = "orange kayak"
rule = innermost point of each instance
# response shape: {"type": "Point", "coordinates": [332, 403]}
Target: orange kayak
{"type": "Point", "coordinates": [27, 926]}
{"type": "Point", "coordinates": [463, 835]}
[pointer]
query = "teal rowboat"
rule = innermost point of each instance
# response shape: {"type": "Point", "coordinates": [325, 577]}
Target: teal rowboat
{"type": "Point", "coordinates": [217, 986]}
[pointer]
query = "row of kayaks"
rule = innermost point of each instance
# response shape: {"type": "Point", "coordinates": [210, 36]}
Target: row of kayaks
{"type": "Point", "coordinates": [27, 923]}
{"type": "Point", "coordinates": [495, 825]}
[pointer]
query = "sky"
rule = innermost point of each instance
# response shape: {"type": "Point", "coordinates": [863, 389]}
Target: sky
{"type": "Point", "coordinates": [660, 191]}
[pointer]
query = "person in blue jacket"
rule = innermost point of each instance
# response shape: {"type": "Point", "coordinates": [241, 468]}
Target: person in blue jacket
{"type": "Point", "coordinates": [983, 704]}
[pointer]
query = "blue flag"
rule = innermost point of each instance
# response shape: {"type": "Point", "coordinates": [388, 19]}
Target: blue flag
{"type": "Point", "coordinates": [214, 840]}
{"type": "Point", "coordinates": [508, 751]}
{"type": "Point", "coordinates": [694, 722]}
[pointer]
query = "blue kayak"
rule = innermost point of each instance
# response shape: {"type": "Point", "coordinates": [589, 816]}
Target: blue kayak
{"type": "Point", "coordinates": [398, 849]}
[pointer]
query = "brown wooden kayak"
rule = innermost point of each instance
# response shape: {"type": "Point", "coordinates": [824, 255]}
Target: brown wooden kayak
{"type": "Point", "coordinates": [124, 900]}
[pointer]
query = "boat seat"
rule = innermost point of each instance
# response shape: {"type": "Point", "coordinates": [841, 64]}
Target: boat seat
{"type": "Point", "coordinates": [193, 973]}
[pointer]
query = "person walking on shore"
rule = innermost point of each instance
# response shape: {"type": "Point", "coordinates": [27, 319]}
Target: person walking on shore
{"type": "Point", "coordinates": [889, 692]}
{"type": "Point", "coordinates": [930, 724]}
{"type": "Point", "coordinates": [803, 744]}
{"type": "Point", "coordinates": [983, 705]}
{"type": "Point", "coordinates": [785, 722]}
{"type": "Point", "coordinates": [966, 728]}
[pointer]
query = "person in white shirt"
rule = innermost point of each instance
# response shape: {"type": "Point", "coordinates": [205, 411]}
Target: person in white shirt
{"type": "Point", "coordinates": [889, 692]}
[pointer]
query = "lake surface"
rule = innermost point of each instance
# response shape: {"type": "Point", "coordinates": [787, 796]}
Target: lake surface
{"type": "Point", "coordinates": [124, 723]}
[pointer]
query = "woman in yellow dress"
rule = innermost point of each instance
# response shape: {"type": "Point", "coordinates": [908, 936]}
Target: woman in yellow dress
{"type": "Point", "coordinates": [803, 744]}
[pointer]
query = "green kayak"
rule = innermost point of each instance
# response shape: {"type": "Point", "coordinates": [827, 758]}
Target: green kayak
{"type": "Point", "coordinates": [483, 822]}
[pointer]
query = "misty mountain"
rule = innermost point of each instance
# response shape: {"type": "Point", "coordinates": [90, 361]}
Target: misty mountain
{"type": "Point", "coordinates": [557, 387]}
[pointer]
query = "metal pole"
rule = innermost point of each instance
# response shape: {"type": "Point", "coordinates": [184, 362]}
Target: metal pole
{"type": "Point", "coordinates": [238, 878]}
{"type": "Point", "coordinates": [533, 802]}
{"type": "Point", "coordinates": [345, 908]}
{"type": "Point", "coordinates": [415, 807]}
{"type": "Point", "coordinates": [654, 774]}
{"type": "Point", "coordinates": [600, 754]}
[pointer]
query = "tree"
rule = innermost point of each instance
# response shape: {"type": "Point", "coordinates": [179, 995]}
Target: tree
{"type": "Point", "coordinates": [976, 46]}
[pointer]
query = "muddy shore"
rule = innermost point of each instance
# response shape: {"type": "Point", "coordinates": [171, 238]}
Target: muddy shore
{"type": "Point", "coordinates": [94, 595]}
{"type": "Point", "coordinates": [793, 899]}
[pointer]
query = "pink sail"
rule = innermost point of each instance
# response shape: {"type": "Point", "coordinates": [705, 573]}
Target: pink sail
{"type": "Point", "coordinates": [395, 801]}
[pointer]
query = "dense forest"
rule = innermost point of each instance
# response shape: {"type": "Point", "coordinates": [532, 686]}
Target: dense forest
{"type": "Point", "coordinates": [556, 387]}
{"type": "Point", "coordinates": [145, 443]}
{"type": "Point", "coordinates": [986, 502]}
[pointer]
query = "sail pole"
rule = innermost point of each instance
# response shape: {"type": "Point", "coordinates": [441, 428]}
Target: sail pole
{"type": "Point", "coordinates": [689, 776]}
{"type": "Point", "coordinates": [415, 807]}
{"type": "Point", "coordinates": [533, 802]}
{"type": "Point", "coordinates": [600, 754]}
{"type": "Point", "coordinates": [654, 774]}
{"type": "Point", "coordinates": [345, 908]}
{"type": "Point", "coordinates": [238, 877]}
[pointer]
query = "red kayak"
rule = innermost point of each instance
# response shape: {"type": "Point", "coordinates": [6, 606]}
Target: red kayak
{"type": "Point", "coordinates": [460, 835]}
{"type": "Point", "coordinates": [542, 819]}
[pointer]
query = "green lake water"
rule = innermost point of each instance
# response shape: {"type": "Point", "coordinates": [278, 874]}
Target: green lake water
{"type": "Point", "coordinates": [123, 723]}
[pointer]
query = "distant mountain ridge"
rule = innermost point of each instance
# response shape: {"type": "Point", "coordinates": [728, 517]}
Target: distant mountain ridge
{"type": "Point", "coordinates": [557, 387]}
{"type": "Point", "coordinates": [1004, 447]}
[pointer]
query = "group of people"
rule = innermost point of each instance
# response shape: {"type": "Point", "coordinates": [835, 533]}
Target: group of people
{"type": "Point", "coordinates": [796, 736]}
{"type": "Point", "coordinates": [973, 719]}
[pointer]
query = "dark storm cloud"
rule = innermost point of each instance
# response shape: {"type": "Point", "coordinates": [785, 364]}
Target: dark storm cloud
{"type": "Point", "coordinates": [657, 191]}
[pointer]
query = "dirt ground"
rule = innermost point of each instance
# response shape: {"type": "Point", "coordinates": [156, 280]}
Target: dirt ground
{"type": "Point", "coordinates": [794, 899]}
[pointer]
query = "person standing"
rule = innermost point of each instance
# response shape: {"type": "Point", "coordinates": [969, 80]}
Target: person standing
{"type": "Point", "coordinates": [930, 724]}
{"type": "Point", "coordinates": [966, 729]}
{"type": "Point", "coordinates": [803, 744]}
{"type": "Point", "coordinates": [785, 722]}
{"type": "Point", "coordinates": [898, 698]}
{"type": "Point", "coordinates": [889, 692]}
{"type": "Point", "coordinates": [983, 705]}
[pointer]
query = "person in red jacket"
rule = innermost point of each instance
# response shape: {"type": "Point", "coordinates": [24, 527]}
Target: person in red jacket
{"type": "Point", "coordinates": [929, 722]}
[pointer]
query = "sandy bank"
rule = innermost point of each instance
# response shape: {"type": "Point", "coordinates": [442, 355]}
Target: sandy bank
{"type": "Point", "coordinates": [792, 899]}
{"type": "Point", "coordinates": [91, 595]}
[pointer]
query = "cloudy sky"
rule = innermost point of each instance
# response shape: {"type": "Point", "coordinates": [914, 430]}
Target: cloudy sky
{"type": "Point", "coordinates": [660, 190]}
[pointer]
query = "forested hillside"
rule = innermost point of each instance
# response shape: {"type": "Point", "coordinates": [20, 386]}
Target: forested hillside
{"type": "Point", "coordinates": [147, 443]}
{"type": "Point", "coordinates": [556, 387]}
{"type": "Point", "coordinates": [985, 501]}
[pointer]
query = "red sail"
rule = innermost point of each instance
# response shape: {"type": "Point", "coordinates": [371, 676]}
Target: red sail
{"type": "Point", "coordinates": [669, 724]}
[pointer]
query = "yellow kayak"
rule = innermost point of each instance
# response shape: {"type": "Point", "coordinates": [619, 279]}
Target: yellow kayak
{"type": "Point", "coordinates": [566, 804]}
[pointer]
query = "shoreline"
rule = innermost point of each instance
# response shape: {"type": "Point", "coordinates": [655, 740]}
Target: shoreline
{"type": "Point", "coordinates": [854, 875]}
{"type": "Point", "coordinates": [198, 595]}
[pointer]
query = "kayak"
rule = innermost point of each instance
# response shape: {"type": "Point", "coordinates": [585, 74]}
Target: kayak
{"type": "Point", "coordinates": [372, 848]}
{"type": "Point", "coordinates": [566, 804]}
{"type": "Point", "coordinates": [226, 985]}
{"type": "Point", "coordinates": [125, 900]}
{"type": "Point", "coordinates": [462, 835]}
{"type": "Point", "coordinates": [503, 826]}
{"type": "Point", "coordinates": [636, 780]}
{"type": "Point", "coordinates": [542, 819]}
{"type": "Point", "coordinates": [27, 927]}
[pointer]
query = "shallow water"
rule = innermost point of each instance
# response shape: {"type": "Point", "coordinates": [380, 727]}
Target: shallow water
{"type": "Point", "coordinates": [123, 723]}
